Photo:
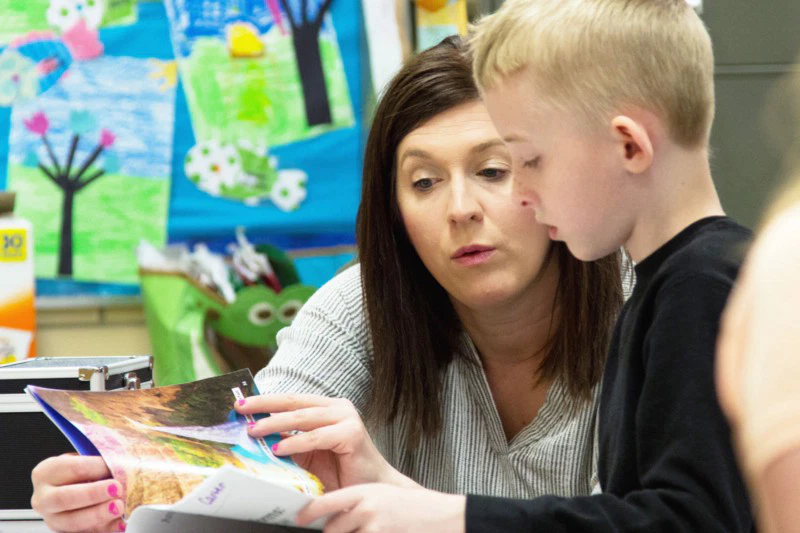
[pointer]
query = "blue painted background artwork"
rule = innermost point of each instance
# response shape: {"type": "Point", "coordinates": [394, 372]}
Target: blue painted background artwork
{"type": "Point", "coordinates": [90, 160]}
{"type": "Point", "coordinates": [330, 158]}
{"type": "Point", "coordinates": [111, 90]}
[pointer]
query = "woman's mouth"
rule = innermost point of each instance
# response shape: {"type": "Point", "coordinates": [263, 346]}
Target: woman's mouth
{"type": "Point", "coordinates": [475, 254]}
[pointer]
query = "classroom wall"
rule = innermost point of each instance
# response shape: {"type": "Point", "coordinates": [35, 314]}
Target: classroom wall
{"type": "Point", "coordinates": [757, 46]}
{"type": "Point", "coordinates": [91, 331]}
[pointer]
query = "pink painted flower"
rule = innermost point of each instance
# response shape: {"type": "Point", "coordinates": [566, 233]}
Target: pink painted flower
{"type": "Point", "coordinates": [107, 138]}
{"type": "Point", "coordinates": [38, 124]}
{"type": "Point", "coordinates": [83, 41]}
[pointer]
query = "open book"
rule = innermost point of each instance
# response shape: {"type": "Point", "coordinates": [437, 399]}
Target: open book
{"type": "Point", "coordinates": [182, 450]}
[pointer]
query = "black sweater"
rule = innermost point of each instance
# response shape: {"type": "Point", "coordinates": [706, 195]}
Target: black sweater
{"type": "Point", "coordinates": [666, 462]}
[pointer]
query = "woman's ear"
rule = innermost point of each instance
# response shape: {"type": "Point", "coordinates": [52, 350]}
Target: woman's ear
{"type": "Point", "coordinates": [634, 144]}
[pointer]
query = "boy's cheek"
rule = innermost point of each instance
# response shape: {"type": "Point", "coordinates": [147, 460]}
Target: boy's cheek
{"type": "Point", "coordinates": [523, 192]}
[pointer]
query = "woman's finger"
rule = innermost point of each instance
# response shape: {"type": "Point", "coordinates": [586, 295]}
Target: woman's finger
{"type": "Point", "coordinates": [68, 469]}
{"type": "Point", "coordinates": [300, 420]}
{"type": "Point", "coordinates": [105, 516]}
{"type": "Point", "coordinates": [54, 500]}
{"type": "Point", "coordinates": [279, 403]}
{"type": "Point", "coordinates": [336, 438]}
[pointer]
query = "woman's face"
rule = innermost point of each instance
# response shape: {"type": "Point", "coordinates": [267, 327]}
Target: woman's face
{"type": "Point", "coordinates": [454, 188]}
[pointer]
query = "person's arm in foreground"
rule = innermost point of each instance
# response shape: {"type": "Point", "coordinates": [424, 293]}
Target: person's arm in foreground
{"type": "Point", "coordinates": [779, 494]}
{"type": "Point", "coordinates": [758, 371]}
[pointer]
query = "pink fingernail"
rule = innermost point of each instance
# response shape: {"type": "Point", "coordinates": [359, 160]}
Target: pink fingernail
{"type": "Point", "coordinates": [241, 402]}
{"type": "Point", "coordinates": [112, 508]}
{"type": "Point", "coordinates": [251, 425]}
{"type": "Point", "coordinates": [275, 448]}
{"type": "Point", "coordinates": [122, 526]}
{"type": "Point", "coordinates": [113, 491]}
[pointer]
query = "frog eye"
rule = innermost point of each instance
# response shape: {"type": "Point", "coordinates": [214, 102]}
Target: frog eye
{"type": "Point", "coordinates": [261, 314]}
{"type": "Point", "coordinates": [289, 310]}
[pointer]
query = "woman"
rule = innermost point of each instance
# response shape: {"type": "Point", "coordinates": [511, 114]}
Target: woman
{"type": "Point", "coordinates": [471, 344]}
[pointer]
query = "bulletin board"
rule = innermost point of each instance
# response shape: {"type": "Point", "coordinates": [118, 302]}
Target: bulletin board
{"type": "Point", "coordinates": [179, 121]}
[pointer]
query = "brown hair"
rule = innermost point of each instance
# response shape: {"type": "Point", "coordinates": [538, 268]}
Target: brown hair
{"type": "Point", "coordinates": [414, 328]}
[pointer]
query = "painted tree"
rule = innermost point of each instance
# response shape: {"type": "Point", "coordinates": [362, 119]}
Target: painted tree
{"type": "Point", "coordinates": [305, 37]}
{"type": "Point", "coordinates": [71, 183]}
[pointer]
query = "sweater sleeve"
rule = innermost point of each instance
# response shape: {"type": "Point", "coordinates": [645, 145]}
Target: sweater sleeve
{"type": "Point", "coordinates": [688, 476]}
{"type": "Point", "coordinates": [326, 350]}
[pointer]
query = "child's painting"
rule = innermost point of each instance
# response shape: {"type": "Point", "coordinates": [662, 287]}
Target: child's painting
{"type": "Point", "coordinates": [19, 17]}
{"type": "Point", "coordinates": [257, 74]}
{"type": "Point", "coordinates": [90, 160]}
{"type": "Point", "coordinates": [161, 443]}
{"type": "Point", "coordinates": [437, 19]}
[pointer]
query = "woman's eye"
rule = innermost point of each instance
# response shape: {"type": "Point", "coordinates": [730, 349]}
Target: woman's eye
{"type": "Point", "coordinates": [531, 163]}
{"type": "Point", "coordinates": [495, 174]}
{"type": "Point", "coordinates": [423, 184]}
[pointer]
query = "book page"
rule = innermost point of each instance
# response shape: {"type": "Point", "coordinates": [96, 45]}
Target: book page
{"type": "Point", "coordinates": [162, 443]}
{"type": "Point", "coordinates": [231, 494]}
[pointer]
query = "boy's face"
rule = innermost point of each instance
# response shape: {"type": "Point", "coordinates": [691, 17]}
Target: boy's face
{"type": "Point", "coordinates": [570, 174]}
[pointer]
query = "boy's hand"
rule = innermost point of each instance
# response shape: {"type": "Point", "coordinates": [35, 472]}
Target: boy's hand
{"type": "Point", "coordinates": [333, 444]}
{"type": "Point", "coordinates": [387, 508]}
{"type": "Point", "coordinates": [73, 494]}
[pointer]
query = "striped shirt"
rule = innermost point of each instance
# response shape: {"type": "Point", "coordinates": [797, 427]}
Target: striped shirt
{"type": "Point", "coordinates": [327, 351]}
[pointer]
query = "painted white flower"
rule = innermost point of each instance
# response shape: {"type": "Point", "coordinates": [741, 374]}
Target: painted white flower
{"type": "Point", "coordinates": [64, 14]}
{"type": "Point", "coordinates": [212, 164]}
{"type": "Point", "coordinates": [289, 190]}
{"type": "Point", "coordinates": [19, 80]}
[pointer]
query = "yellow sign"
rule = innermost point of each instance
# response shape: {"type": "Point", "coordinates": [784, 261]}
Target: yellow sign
{"type": "Point", "coordinates": [13, 246]}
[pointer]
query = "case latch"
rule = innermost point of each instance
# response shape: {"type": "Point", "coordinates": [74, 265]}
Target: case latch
{"type": "Point", "coordinates": [132, 381]}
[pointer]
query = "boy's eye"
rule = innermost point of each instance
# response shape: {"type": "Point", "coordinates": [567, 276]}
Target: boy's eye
{"type": "Point", "coordinates": [531, 163]}
{"type": "Point", "coordinates": [494, 174]}
{"type": "Point", "coordinates": [423, 184]}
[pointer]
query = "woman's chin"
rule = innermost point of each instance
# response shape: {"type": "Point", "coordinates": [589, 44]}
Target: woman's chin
{"type": "Point", "coordinates": [488, 298]}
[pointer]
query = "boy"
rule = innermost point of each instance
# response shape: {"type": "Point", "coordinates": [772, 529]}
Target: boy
{"type": "Point", "coordinates": [607, 107]}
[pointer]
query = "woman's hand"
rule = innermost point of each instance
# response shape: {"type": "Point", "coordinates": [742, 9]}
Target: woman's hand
{"type": "Point", "coordinates": [74, 493]}
{"type": "Point", "coordinates": [333, 444]}
{"type": "Point", "coordinates": [388, 509]}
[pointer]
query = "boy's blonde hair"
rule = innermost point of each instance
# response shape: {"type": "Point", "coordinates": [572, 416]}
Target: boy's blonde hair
{"type": "Point", "coordinates": [594, 57]}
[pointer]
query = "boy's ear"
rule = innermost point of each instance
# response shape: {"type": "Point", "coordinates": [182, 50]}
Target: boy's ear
{"type": "Point", "coordinates": [633, 143]}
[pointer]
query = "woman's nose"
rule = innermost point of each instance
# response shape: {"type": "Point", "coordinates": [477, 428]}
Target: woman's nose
{"type": "Point", "coordinates": [463, 203]}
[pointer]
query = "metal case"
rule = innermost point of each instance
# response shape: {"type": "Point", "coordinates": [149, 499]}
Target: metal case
{"type": "Point", "coordinates": [27, 436]}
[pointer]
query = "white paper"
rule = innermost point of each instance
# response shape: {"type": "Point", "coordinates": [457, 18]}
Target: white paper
{"type": "Point", "coordinates": [230, 493]}
{"type": "Point", "coordinates": [385, 45]}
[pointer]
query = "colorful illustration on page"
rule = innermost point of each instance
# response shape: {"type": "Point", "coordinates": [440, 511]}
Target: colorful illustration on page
{"type": "Point", "coordinates": [257, 73]}
{"type": "Point", "coordinates": [161, 443]}
{"type": "Point", "coordinates": [90, 160]}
